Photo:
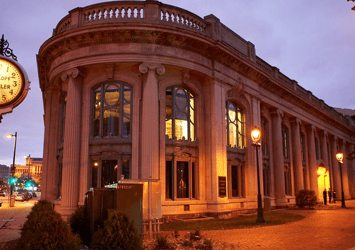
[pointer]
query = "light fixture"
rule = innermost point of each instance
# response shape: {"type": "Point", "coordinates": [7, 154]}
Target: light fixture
{"type": "Point", "coordinates": [256, 135]}
{"type": "Point", "coordinates": [339, 157]}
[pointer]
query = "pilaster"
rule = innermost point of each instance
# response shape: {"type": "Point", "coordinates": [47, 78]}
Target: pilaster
{"type": "Point", "coordinates": [150, 121]}
{"type": "Point", "coordinates": [278, 157]}
{"type": "Point", "coordinates": [71, 147]}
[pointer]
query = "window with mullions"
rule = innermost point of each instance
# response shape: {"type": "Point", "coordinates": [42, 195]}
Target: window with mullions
{"type": "Point", "coordinates": [180, 180]}
{"type": "Point", "coordinates": [112, 108]}
{"type": "Point", "coordinates": [285, 142]}
{"type": "Point", "coordinates": [235, 125]}
{"type": "Point", "coordinates": [63, 105]}
{"type": "Point", "coordinates": [236, 180]}
{"type": "Point", "coordinates": [180, 114]}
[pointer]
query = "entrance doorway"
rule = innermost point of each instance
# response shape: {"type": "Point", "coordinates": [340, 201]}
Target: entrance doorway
{"type": "Point", "coordinates": [109, 172]}
{"type": "Point", "coordinates": [323, 181]}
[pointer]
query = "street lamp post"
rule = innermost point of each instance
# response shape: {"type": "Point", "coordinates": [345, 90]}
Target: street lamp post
{"type": "Point", "coordinates": [28, 158]}
{"type": "Point", "coordinates": [340, 157]}
{"type": "Point", "coordinates": [13, 160]}
{"type": "Point", "coordinates": [255, 136]}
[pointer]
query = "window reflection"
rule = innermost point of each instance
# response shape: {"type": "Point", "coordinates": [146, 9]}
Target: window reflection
{"type": "Point", "coordinates": [235, 125]}
{"type": "Point", "coordinates": [112, 110]}
{"type": "Point", "coordinates": [179, 114]}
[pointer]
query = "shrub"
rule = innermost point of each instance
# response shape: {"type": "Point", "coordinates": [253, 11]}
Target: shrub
{"type": "Point", "coordinates": [195, 235]}
{"type": "Point", "coordinates": [162, 242]}
{"type": "Point", "coordinates": [207, 245]}
{"type": "Point", "coordinates": [79, 225]}
{"type": "Point", "coordinates": [118, 233]}
{"type": "Point", "coordinates": [306, 198]}
{"type": "Point", "coordinates": [45, 229]}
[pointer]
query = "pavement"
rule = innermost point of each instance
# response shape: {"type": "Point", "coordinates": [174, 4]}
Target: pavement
{"type": "Point", "coordinates": [328, 227]}
{"type": "Point", "coordinates": [12, 218]}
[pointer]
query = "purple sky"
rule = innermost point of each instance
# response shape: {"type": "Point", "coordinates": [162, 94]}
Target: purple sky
{"type": "Point", "coordinates": [310, 41]}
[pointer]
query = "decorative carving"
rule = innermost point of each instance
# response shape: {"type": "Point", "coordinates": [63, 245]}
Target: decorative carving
{"type": "Point", "coordinates": [185, 77]}
{"type": "Point", "coordinates": [109, 68]}
{"type": "Point", "coordinates": [277, 112]}
{"type": "Point", "coordinates": [237, 90]}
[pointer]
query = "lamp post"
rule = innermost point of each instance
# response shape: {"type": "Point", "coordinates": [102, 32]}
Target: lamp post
{"type": "Point", "coordinates": [255, 136]}
{"type": "Point", "coordinates": [28, 158]}
{"type": "Point", "coordinates": [340, 157]}
{"type": "Point", "coordinates": [13, 168]}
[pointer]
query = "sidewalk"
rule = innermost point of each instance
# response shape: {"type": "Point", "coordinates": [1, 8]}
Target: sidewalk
{"type": "Point", "coordinates": [12, 218]}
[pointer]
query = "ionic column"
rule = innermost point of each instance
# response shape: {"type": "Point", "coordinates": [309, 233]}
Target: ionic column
{"type": "Point", "coordinates": [297, 154]}
{"type": "Point", "coordinates": [150, 121]}
{"type": "Point", "coordinates": [278, 157]}
{"type": "Point", "coordinates": [71, 147]}
{"type": "Point", "coordinates": [312, 160]}
{"type": "Point", "coordinates": [351, 172]}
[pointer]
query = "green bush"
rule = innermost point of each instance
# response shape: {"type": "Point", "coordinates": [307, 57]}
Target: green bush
{"type": "Point", "coordinates": [306, 198]}
{"type": "Point", "coordinates": [118, 233]}
{"type": "Point", "coordinates": [45, 229]}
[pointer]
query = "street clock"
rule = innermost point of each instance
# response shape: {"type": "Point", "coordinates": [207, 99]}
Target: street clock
{"type": "Point", "coordinates": [14, 84]}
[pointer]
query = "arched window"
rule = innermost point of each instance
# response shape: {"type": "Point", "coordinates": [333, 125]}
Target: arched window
{"type": "Point", "coordinates": [235, 125]}
{"type": "Point", "coordinates": [180, 114]}
{"type": "Point", "coordinates": [112, 108]}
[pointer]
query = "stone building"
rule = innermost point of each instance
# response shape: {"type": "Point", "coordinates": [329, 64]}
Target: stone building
{"type": "Point", "coordinates": [143, 91]}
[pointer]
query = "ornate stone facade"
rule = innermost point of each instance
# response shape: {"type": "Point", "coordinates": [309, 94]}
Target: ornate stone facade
{"type": "Point", "coordinates": [147, 92]}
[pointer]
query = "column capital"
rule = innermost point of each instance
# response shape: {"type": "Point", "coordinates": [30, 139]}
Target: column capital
{"type": "Point", "coordinates": [74, 73]}
{"type": "Point", "coordinates": [277, 112]}
{"type": "Point", "coordinates": [296, 121]}
{"type": "Point", "coordinates": [311, 128]}
{"type": "Point", "coordinates": [145, 67]}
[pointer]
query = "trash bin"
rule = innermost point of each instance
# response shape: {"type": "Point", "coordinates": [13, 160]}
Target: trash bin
{"type": "Point", "coordinates": [12, 200]}
{"type": "Point", "coordinates": [267, 205]}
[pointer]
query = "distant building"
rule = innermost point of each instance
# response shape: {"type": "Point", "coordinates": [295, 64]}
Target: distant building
{"type": "Point", "coordinates": [5, 173]}
{"type": "Point", "coordinates": [147, 91]}
{"type": "Point", "coordinates": [32, 169]}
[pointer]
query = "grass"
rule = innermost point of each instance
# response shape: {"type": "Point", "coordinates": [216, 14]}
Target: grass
{"type": "Point", "coordinates": [273, 218]}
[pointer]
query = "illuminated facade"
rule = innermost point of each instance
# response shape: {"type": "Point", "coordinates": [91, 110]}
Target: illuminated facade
{"type": "Point", "coordinates": [138, 91]}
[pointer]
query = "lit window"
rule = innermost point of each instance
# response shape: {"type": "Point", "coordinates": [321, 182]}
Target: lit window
{"type": "Point", "coordinates": [112, 110]}
{"type": "Point", "coordinates": [235, 125]}
{"type": "Point", "coordinates": [180, 114]}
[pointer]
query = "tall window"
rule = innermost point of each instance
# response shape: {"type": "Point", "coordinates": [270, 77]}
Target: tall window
{"type": "Point", "coordinates": [265, 153]}
{"type": "Point", "coordinates": [181, 179]}
{"type": "Point", "coordinates": [112, 108]}
{"type": "Point", "coordinates": [63, 105]}
{"type": "Point", "coordinates": [235, 125]}
{"type": "Point", "coordinates": [285, 142]}
{"type": "Point", "coordinates": [180, 114]}
{"type": "Point", "coordinates": [286, 153]}
{"type": "Point", "coordinates": [304, 166]}
{"type": "Point", "coordinates": [316, 144]}
{"type": "Point", "coordinates": [236, 180]}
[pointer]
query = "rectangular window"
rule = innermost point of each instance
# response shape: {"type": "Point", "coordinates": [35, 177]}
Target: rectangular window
{"type": "Point", "coordinates": [125, 168]}
{"type": "Point", "coordinates": [266, 180]}
{"type": "Point", "coordinates": [193, 184]}
{"type": "Point", "coordinates": [235, 181]}
{"type": "Point", "coordinates": [109, 172]}
{"type": "Point", "coordinates": [169, 180]}
{"type": "Point", "coordinates": [182, 179]}
{"type": "Point", "coordinates": [285, 142]}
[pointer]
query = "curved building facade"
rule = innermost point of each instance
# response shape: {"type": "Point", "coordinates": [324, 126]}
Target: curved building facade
{"type": "Point", "coordinates": [141, 91]}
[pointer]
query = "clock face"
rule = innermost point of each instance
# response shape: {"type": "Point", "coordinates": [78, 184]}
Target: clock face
{"type": "Point", "coordinates": [12, 82]}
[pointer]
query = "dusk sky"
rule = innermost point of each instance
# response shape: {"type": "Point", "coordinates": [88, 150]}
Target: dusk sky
{"type": "Point", "coordinates": [310, 41]}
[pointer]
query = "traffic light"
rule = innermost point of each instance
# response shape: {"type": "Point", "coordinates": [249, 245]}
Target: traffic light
{"type": "Point", "coordinates": [12, 180]}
